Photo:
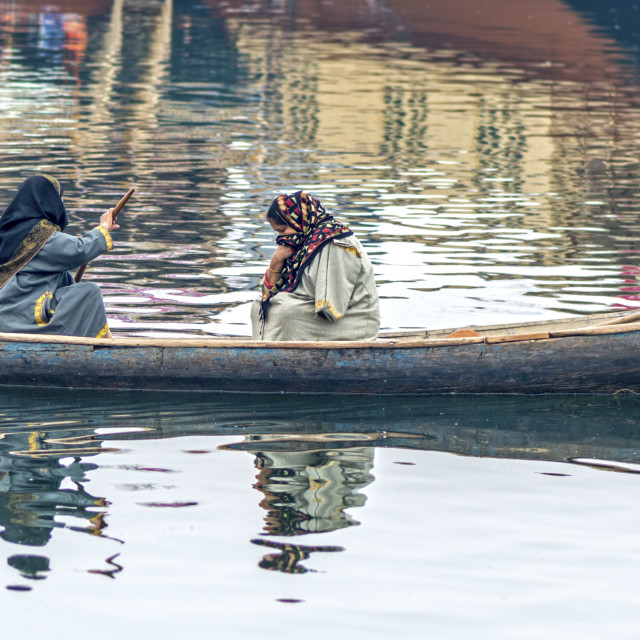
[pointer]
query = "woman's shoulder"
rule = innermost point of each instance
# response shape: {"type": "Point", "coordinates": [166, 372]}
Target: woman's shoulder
{"type": "Point", "coordinates": [350, 244]}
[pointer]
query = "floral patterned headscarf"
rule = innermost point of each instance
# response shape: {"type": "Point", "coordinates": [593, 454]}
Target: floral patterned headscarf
{"type": "Point", "coordinates": [314, 228]}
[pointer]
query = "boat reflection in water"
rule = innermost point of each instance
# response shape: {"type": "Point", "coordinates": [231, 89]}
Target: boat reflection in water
{"type": "Point", "coordinates": [314, 459]}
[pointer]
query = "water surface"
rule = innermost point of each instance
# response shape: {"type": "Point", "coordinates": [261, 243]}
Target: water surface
{"type": "Point", "coordinates": [143, 513]}
{"type": "Point", "coordinates": [487, 159]}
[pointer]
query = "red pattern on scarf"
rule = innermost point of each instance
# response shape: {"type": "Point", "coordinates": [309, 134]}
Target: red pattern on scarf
{"type": "Point", "coordinates": [314, 228]}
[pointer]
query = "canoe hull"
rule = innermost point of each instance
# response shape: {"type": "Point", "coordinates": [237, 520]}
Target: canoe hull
{"type": "Point", "coordinates": [574, 364]}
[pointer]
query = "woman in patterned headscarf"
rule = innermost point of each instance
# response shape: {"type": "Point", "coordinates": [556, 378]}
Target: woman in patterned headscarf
{"type": "Point", "coordinates": [320, 283]}
{"type": "Point", "coordinates": [37, 292]}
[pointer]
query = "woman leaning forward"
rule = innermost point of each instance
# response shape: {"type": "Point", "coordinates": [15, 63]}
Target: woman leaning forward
{"type": "Point", "coordinates": [320, 283]}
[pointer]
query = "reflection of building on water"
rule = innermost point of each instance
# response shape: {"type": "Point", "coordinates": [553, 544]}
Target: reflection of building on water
{"type": "Point", "coordinates": [212, 108]}
{"type": "Point", "coordinates": [365, 100]}
{"type": "Point", "coordinates": [396, 102]}
{"type": "Point", "coordinates": [531, 93]}
{"type": "Point", "coordinates": [309, 491]}
{"type": "Point", "coordinates": [347, 95]}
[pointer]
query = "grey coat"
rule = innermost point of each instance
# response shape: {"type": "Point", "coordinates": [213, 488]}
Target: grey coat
{"type": "Point", "coordinates": [43, 297]}
{"type": "Point", "coordinates": [336, 299]}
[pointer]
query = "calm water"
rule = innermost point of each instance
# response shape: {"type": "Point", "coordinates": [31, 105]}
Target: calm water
{"type": "Point", "coordinates": [488, 157]}
{"type": "Point", "coordinates": [231, 517]}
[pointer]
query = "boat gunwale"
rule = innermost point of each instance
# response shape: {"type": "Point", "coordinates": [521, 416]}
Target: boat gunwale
{"type": "Point", "coordinates": [390, 342]}
{"type": "Point", "coordinates": [226, 343]}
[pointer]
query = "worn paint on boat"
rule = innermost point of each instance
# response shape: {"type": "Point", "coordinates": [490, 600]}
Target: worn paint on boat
{"type": "Point", "coordinates": [572, 355]}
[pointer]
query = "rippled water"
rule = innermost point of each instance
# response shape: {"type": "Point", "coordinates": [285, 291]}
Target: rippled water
{"type": "Point", "coordinates": [192, 516]}
{"type": "Point", "coordinates": [489, 163]}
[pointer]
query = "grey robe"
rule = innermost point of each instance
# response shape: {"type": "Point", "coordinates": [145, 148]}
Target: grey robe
{"type": "Point", "coordinates": [43, 297]}
{"type": "Point", "coordinates": [336, 299]}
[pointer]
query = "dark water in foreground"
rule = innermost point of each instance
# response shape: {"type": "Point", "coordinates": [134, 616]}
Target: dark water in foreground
{"type": "Point", "coordinates": [169, 514]}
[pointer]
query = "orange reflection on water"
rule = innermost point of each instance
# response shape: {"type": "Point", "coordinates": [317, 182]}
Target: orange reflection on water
{"type": "Point", "coordinates": [547, 38]}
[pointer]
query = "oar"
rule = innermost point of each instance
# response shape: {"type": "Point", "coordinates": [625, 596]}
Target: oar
{"type": "Point", "coordinates": [116, 210]}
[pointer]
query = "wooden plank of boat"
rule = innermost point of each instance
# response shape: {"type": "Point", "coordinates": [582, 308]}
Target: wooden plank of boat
{"type": "Point", "coordinates": [568, 355]}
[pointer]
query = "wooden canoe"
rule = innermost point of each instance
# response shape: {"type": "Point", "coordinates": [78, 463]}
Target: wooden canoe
{"type": "Point", "coordinates": [593, 354]}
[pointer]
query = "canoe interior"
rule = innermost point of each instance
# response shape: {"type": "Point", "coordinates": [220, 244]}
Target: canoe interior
{"type": "Point", "coordinates": [534, 329]}
{"type": "Point", "coordinates": [512, 329]}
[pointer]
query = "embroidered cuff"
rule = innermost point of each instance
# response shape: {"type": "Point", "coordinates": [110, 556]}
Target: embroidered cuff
{"type": "Point", "coordinates": [107, 237]}
{"type": "Point", "coordinates": [42, 310]}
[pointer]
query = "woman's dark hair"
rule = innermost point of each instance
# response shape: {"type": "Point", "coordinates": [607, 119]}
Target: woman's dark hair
{"type": "Point", "coordinates": [274, 214]}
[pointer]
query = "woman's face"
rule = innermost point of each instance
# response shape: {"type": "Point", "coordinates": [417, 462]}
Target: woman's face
{"type": "Point", "coordinates": [281, 229]}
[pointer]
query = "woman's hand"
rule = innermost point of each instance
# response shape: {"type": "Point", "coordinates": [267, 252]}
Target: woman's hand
{"type": "Point", "coordinates": [277, 262]}
{"type": "Point", "coordinates": [106, 221]}
{"type": "Point", "coordinates": [281, 253]}
{"type": "Point", "coordinates": [279, 256]}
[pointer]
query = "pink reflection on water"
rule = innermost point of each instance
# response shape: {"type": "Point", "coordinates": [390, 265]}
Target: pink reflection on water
{"type": "Point", "coordinates": [630, 285]}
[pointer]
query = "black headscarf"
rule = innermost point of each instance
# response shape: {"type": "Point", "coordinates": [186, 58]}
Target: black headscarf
{"type": "Point", "coordinates": [34, 214]}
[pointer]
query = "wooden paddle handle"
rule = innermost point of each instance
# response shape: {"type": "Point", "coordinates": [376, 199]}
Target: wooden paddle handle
{"type": "Point", "coordinates": [80, 273]}
{"type": "Point", "coordinates": [120, 206]}
{"type": "Point", "coordinates": [116, 210]}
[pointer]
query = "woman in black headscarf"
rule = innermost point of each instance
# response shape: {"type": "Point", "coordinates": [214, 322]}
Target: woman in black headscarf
{"type": "Point", "coordinates": [37, 292]}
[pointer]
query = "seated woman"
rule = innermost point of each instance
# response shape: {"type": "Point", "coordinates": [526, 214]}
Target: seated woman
{"type": "Point", "coordinates": [320, 283]}
{"type": "Point", "coordinates": [37, 292]}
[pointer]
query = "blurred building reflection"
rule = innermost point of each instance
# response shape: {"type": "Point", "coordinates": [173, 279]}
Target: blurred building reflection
{"type": "Point", "coordinates": [211, 107]}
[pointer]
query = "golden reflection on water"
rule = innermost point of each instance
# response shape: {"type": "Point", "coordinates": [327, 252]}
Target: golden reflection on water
{"type": "Point", "coordinates": [484, 179]}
